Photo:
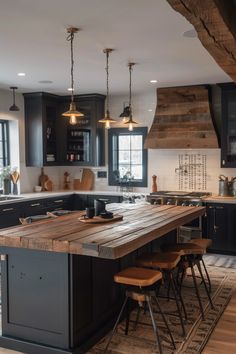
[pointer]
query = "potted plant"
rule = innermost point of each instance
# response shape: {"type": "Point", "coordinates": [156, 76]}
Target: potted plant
{"type": "Point", "coordinates": [6, 179]}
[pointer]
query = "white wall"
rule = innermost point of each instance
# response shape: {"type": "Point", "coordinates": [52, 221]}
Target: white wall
{"type": "Point", "coordinates": [160, 162]}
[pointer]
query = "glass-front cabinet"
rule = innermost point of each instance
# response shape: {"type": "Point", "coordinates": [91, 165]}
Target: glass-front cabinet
{"type": "Point", "coordinates": [51, 140]}
{"type": "Point", "coordinates": [78, 145]}
{"type": "Point", "coordinates": [228, 134]}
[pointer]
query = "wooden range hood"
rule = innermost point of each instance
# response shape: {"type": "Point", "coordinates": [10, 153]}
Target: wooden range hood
{"type": "Point", "coordinates": [182, 120]}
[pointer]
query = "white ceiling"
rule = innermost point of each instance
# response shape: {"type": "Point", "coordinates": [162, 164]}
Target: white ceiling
{"type": "Point", "coordinates": [149, 32]}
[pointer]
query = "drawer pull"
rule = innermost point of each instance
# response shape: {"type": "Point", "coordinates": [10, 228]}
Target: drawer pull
{"type": "Point", "coordinates": [219, 207]}
{"type": "Point", "coordinates": [58, 201]}
{"type": "Point", "coordinates": [8, 209]}
{"type": "Point", "coordinates": [35, 204]}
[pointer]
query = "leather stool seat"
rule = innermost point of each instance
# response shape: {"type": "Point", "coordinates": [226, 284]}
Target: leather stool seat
{"type": "Point", "coordinates": [202, 242]}
{"type": "Point", "coordinates": [186, 248]}
{"type": "Point", "coordinates": [158, 260]}
{"type": "Point", "coordinates": [138, 276]}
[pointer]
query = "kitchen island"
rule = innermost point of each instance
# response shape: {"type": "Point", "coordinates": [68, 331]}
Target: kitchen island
{"type": "Point", "coordinates": [58, 294]}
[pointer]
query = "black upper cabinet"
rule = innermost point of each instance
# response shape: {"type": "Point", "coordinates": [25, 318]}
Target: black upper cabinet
{"type": "Point", "coordinates": [84, 142]}
{"type": "Point", "coordinates": [41, 129]}
{"type": "Point", "coordinates": [51, 140]}
{"type": "Point", "coordinates": [228, 134]}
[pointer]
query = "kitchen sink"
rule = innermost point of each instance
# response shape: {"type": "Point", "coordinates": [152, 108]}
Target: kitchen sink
{"type": "Point", "coordinates": [4, 198]}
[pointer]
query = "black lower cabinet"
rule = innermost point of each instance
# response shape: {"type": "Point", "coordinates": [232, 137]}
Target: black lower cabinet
{"type": "Point", "coordinates": [221, 227]}
{"type": "Point", "coordinates": [56, 303]}
{"type": "Point", "coordinates": [10, 214]}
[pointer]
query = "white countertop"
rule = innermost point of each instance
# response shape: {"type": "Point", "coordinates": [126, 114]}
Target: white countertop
{"type": "Point", "coordinates": [40, 195]}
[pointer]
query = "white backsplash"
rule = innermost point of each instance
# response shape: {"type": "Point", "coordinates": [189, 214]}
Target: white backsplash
{"type": "Point", "coordinates": [162, 163]}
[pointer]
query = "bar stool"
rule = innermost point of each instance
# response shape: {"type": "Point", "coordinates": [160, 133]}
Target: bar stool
{"type": "Point", "coordinates": [192, 253]}
{"type": "Point", "coordinates": [166, 263]}
{"type": "Point", "coordinates": [205, 243]}
{"type": "Point", "coordinates": [140, 286]}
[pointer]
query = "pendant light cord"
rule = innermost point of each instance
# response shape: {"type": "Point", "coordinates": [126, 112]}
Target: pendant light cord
{"type": "Point", "coordinates": [130, 71]}
{"type": "Point", "coordinates": [13, 96]}
{"type": "Point", "coordinates": [107, 71]}
{"type": "Point", "coordinates": [71, 38]}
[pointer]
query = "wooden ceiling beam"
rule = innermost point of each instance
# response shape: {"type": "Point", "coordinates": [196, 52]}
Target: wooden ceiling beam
{"type": "Point", "coordinates": [214, 22]}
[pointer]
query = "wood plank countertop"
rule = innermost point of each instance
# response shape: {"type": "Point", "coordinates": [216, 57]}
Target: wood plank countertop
{"type": "Point", "coordinates": [141, 224]}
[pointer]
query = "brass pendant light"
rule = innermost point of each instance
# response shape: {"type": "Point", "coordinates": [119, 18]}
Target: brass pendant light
{"type": "Point", "coordinates": [72, 113]}
{"type": "Point", "coordinates": [130, 120]}
{"type": "Point", "coordinates": [107, 120]}
{"type": "Point", "coordinates": [14, 107]}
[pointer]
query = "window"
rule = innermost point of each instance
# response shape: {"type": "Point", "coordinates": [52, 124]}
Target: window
{"type": "Point", "coordinates": [4, 143]}
{"type": "Point", "coordinates": [127, 157]}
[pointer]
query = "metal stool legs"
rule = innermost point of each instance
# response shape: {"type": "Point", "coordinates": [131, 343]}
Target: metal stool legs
{"type": "Point", "coordinates": [148, 301]}
{"type": "Point", "coordinates": [116, 324]}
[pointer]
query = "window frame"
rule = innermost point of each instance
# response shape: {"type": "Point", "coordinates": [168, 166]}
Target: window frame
{"type": "Point", "coordinates": [124, 131]}
{"type": "Point", "coordinates": [4, 126]}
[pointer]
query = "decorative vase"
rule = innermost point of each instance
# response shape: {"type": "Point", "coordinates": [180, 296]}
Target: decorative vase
{"type": "Point", "coordinates": [6, 186]}
{"type": "Point", "coordinates": [15, 189]}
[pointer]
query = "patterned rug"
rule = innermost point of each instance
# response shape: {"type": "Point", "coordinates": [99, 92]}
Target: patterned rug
{"type": "Point", "coordinates": [217, 260]}
{"type": "Point", "coordinates": [141, 341]}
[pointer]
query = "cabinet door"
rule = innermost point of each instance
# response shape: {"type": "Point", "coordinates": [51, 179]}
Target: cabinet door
{"type": "Point", "coordinates": [232, 228]}
{"type": "Point", "coordinates": [10, 214]}
{"type": "Point", "coordinates": [41, 129]}
{"type": "Point", "coordinates": [228, 136]}
{"type": "Point", "coordinates": [217, 225]}
{"type": "Point", "coordinates": [34, 207]}
{"type": "Point", "coordinates": [80, 202]}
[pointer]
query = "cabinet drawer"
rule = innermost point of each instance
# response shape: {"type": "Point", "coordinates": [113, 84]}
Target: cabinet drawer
{"type": "Point", "coordinates": [59, 203]}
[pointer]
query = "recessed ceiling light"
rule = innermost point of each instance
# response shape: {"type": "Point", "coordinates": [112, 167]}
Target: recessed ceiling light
{"type": "Point", "coordinates": [190, 33]}
{"type": "Point", "coordinates": [150, 110]}
{"type": "Point", "coordinates": [45, 82]}
{"type": "Point", "coordinates": [153, 81]}
{"type": "Point", "coordinates": [70, 89]}
{"type": "Point", "coordinates": [21, 74]}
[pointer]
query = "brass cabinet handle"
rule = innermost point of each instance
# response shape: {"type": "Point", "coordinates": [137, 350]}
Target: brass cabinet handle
{"type": "Point", "coordinates": [8, 209]}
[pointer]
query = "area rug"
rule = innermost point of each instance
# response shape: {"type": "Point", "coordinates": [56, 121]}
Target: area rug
{"type": "Point", "coordinates": [142, 341]}
{"type": "Point", "coordinates": [218, 260]}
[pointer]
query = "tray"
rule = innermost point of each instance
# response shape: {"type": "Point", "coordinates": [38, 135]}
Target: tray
{"type": "Point", "coordinates": [100, 220]}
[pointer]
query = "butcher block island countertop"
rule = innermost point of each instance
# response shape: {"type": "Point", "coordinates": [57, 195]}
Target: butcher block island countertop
{"type": "Point", "coordinates": [141, 224]}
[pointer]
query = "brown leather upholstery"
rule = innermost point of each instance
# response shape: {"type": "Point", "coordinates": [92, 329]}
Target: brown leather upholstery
{"type": "Point", "coordinates": [137, 276]}
{"type": "Point", "coordinates": [202, 242]}
{"type": "Point", "coordinates": [164, 260]}
{"type": "Point", "coordinates": [187, 248]}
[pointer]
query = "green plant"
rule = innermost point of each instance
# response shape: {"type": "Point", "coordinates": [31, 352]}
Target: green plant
{"type": "Point", "coordinates": [5, 172]}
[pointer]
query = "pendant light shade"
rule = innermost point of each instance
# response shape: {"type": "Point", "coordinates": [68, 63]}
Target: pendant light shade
{"type": "Point", "coordinates": [107, 120]}
{"type": "Point", "coordinates": [14, 107]}
{"type": "Point", "coordinates": [125, 114]}
{"type": "Point", "coordinates": [72, 113]}
{"type": "Point", "coordinates": [130, 120]}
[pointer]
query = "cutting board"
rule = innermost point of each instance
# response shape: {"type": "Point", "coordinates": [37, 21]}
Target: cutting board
{"type": "Point", "coordinates": [100, 220]}
{"type": "Point", "coordinates": [86, 182]}
{"type": "Point", "coordinates": [42, 179]}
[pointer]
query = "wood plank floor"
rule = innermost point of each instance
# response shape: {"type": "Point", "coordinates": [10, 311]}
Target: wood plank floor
{"type": "Point", "coordinates": [223, 338]}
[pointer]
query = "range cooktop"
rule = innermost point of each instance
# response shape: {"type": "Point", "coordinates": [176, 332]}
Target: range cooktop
{"type": "Point", "coordinates": [179, 194]}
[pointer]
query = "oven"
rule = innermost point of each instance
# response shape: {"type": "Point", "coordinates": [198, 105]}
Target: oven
{"type": "Point", "coordinates": [194, 228]}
